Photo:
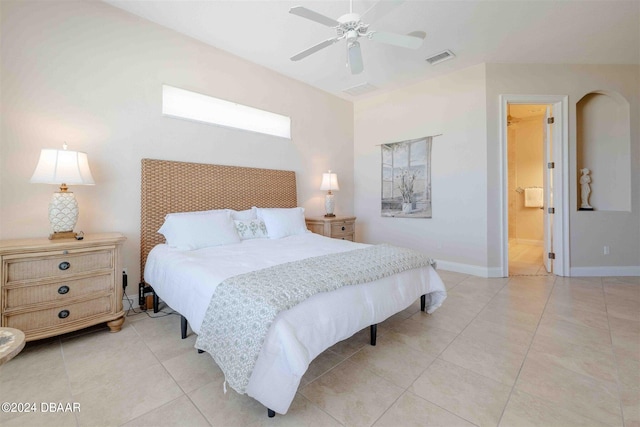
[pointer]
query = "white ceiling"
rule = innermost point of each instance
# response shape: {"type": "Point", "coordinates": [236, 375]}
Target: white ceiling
{"type": "Point", "coordinates": [514, 31]}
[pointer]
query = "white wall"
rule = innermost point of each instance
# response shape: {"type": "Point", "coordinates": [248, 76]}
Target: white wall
{"type": "Point", "coordinates": [589, 231]}
{"type": "Point", "coordinates": [91, 74]}
{"type": "Point", "coordinates": [454, 106]}
{"type": "Point", "coordinates": [464, 232]}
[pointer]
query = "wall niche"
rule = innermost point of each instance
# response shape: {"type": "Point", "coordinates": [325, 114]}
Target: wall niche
{"type": "Point", "coordinates": [604, 147]}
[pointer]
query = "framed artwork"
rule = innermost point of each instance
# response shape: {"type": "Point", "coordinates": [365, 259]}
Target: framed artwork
{"type": "Point", "coordinates": [406, 179]}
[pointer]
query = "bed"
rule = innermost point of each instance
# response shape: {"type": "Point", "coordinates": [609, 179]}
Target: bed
{"type": "Point", "coordinates": [187, 280]}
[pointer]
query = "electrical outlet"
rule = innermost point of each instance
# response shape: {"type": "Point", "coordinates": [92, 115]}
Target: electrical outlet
{"type": "Point", "coordinates": [124, 271]}
{"type": "Point", "coordinates": [606, 250]}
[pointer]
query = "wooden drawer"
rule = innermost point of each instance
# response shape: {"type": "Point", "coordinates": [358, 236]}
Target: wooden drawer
{"type": "Point", "coordinates": [29, 321]}
{"type": "Point", "coordinates": [346, 237]}
{"type": "Point", "coordinates": [340, 228]}
{"type": "Point", "coordinates": [21, 296]}
{"type": "Point", "coordinates": [336, 227]}
{"type": "Point", "coordinates": [39, 266]}
{"type": "Point", "coordinates": [317, 228]}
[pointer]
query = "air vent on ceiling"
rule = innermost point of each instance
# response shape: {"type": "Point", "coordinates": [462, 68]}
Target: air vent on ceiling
{"type": "Point", "coordinates": [440, 57]}
{"type": "Point", "coordinates": [360, 89]}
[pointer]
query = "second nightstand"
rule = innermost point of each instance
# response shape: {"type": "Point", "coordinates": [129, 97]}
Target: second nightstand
{"type": "Point", "coordinates": [337, 227]}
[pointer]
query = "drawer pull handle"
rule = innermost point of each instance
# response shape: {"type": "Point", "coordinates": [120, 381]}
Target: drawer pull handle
{"type": "Point", "coordinates": [343, 228]}
{"type": "Point", "coordinates": [63, 289]}
{"type": "Point", "coordinates": [63, 314]}
{"type": "Point", "coordinates": [64, 265]}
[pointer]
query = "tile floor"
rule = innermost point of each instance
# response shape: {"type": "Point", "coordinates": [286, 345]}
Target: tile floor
{"type": "Point", "coordinates": [526, 260]}
{"type": "Point", "coordinates": [523, 351]}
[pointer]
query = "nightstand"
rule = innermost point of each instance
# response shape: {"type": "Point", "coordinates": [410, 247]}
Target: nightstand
{"type": "Point", "coordinates": [50, 287]}
{"type": "Point", "coordinates": [337, 227]}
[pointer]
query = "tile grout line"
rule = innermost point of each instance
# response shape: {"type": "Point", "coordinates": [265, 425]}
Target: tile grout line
{"type": "Point", "coordinates": [533, 337]}
{"type": "Point", "coordinates": [196, 406]}
{"type": "Point", "coordinates": [166, 371]}
{"type": "Point", "coordinates": [66, 372]}
{"type": "Point", "coordinates": [406, 390]}
{"type": "Point", "coordinates": [615, 356]}
{"type": "Point", "coordinates": [447, 346]}
{"type": "Point", "coordinates": [471, 321]}
{"type": "Point", "coordinates": [433, 403]}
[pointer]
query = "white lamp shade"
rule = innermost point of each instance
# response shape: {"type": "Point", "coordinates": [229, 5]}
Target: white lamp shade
{"type": "Point", "coordinates": [329, 182]}
{"type": "Point", "coordinates": [62, 166]}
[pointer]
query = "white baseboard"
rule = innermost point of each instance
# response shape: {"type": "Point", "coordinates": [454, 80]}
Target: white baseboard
{"type": "Point", "coordinates": [474, 270]}
{"type": "Point", "coordinates": [632, 270]}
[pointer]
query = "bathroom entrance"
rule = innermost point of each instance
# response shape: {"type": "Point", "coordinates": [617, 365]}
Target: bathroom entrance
{"type": "Point", "coordinates": [543, 164]}
{"type": "Point", "coordinates": [529, 144]}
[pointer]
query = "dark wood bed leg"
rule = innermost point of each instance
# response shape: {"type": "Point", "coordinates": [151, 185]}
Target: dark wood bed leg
{"type": "Point", "coordinates": [183, 326]}
{"type": "Point", "coordinates": [156, 302]}
{"type": "Point", "coordinates": [374, 333]}
{"type": "Point", "coordinates": [271, 413]}
{"type": "Point", "coordinates": [200, 351]}
{"type": "Point", "coordinates": [423, 302]}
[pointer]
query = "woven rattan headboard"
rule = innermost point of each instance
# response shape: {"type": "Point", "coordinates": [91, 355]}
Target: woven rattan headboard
{"type": "Point", "coordinates": [169, 186]}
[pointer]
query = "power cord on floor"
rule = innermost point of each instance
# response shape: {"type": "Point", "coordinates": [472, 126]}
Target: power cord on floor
{"type": "Point", "coordinates": [131, 310]}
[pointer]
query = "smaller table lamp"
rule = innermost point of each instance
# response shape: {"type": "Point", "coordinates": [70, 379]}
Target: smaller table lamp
{"type": "Point", "coordinates": [62, 167]}
{"type": "Point", "coordinates": [329, 182]}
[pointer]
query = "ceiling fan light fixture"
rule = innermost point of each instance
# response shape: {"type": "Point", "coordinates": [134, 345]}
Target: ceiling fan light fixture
{"type": "Point", "coordinates": [355, 57]}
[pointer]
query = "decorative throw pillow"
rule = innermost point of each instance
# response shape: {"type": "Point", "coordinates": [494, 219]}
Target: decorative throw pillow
{"type": "Point", "coordinates": [251, 229]}
{"type": "Point", "coordinates": [282, 222]}
{"type": "Point", "coordinates": [196, 230]}
{"type": "Point", "coordinates": [245, 215]}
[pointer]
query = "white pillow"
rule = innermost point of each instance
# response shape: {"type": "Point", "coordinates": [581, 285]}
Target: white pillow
{"type": "Point", "coordinates": [195, 230]}
{"type": "Point", "coordinates": [251, 229]}
{"type": "Point", "coordinates": [245, 215]}
{"type": "Point", "coordinates": [283, 222]}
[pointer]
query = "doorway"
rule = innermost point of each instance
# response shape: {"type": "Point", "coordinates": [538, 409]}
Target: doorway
{"type": "Point", "coordinates": [528, 145]}
{"type": "Point", "coordinates": [542, 174]}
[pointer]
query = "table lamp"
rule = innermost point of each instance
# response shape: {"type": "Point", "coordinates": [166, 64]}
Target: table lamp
{"type": "Point", "coordinates": [329, 182]}
{"type": "Point", "coordinates": [62, 167]}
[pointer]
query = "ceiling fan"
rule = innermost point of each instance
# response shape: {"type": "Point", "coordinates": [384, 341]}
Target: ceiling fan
{"type": "Point", "coordinates": [351, 27]}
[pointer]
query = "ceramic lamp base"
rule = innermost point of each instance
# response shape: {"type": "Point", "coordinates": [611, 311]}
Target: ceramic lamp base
{"type": "Point", "coordinates": [329, 205]}
{"type": "Point", "coordinates": [63, 212]}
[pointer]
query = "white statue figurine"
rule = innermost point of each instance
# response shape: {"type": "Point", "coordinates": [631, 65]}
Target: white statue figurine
{"type": "Point", "coordinates": [585, 189]}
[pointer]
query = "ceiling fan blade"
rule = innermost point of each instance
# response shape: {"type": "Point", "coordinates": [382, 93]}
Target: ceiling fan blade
{"type": "Point", "coordinates": [314, 16]}
{"type": "Point", "coordinates": [355, 58]}
{"type": "Point", "coordinates": [380, 9]}
{"type": "Point", "coordinates": [409, 42]}
{"type": "Point", "coordinates": [314, 49]}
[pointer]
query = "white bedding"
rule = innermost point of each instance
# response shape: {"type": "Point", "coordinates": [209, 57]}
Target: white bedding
{"type": "Point", "coordinates": [186, 280]}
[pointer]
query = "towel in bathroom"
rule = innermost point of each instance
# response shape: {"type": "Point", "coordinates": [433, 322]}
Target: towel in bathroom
{"type": "Point", "coordinates": [533, 197]}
